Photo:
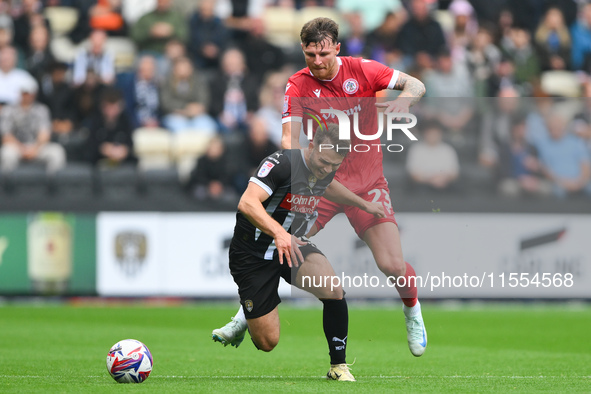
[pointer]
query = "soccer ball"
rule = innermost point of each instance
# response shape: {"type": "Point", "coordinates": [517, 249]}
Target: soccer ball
{"type": "Point", "coordinates": [129, 361]}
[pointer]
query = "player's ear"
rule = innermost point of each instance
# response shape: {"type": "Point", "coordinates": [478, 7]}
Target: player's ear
{"type": "Point", "coordinates": [338, 47]}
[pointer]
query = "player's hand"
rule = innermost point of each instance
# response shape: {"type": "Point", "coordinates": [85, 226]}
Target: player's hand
{"type": "Point", "coordinates": [296, 254]}
{"type": "Point", "coordinates": [376, 209]}
{"type": "Point", "coordinates": [398, 106]}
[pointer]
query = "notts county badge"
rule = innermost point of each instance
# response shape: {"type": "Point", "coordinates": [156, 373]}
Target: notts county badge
{"type": "Point", "coordinates": [131, 250]}
{"type": "Point", "coordinates": [248, 304]}
{"type": "Point", "coordinates": [312, 181]}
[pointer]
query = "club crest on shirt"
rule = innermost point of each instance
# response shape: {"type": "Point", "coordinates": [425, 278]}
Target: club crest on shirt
{"type": "Point", "coordinates": [265, 169]}
{"type": "Point", "coordinates": [312, 181]}
{"type": "Point", "coordinates": [351, 86]}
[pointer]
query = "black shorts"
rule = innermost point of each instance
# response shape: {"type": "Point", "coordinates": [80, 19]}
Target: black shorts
{"type": "Point", "coordinates": [258, 279]}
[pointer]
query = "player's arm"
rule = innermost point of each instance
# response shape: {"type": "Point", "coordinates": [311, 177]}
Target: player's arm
{"type": "Point", "coordinates": [251, 206]}
{"type": "Point", "coordinates": [339, 194]}
{"type": "Point", "coordinates": [291, 140]}
{"type": "Point", "coordinates": [411, 92]}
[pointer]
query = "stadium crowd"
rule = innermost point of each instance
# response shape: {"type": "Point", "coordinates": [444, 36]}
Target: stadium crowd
{"type": "Point", "coordinates": [172, 83]}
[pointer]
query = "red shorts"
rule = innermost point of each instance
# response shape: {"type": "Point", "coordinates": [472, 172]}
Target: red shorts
{"type": "Point", "coordinates": [360, 220]}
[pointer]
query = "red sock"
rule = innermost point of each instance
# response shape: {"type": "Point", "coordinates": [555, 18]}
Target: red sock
{"type": "Point", "coordinates": [408, 293]}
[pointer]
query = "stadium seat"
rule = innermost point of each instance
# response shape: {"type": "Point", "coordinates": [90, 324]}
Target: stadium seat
{"type": "Point", "coordinates": [187, 147]}
{"type": "Point", "coordinates": [74, 182]}
{"type": "Point", "coordinates": [27, 180]}
{"type": "Point", "coordinates": [445, 19]}
{"type": "Point", "coordinates": [124, 51]}
{"type": "Point", "coordinates": [308, 13]}
{"type": "Point", "coordinates": [162, 184]}
{"type": "Point", "coordinates": [63, 49]}
{"type": "Point", "coordinates": [61, 19]}
{"type": "Point", "coordinates": [118, 183]}
{"type": "Point", "coordinates": [561, 83]}
{"type": "Point", "coordinates": [280, 26]}
{"type": "Point", "coordinates": [153, 148]}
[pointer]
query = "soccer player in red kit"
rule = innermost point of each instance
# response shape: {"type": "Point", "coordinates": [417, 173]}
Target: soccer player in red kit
{"type": "Point", "coordinates": [349, 84]}
{"type": "Point", "coordinates": [331, 81]}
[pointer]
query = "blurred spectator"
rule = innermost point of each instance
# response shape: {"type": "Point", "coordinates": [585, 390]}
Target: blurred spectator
{"type": "Point", "coordinates": [208, 36]}
{"type": "Point", "coordinates": [210, 179]}
{"type": "Point", "coordinates": [449, 79]}
{"type": "Point", "coordinates": [87, 96]}
{"type": "Point", "coordinates": [519, 167]}
{"type": "Point", "coordinates": [431, 163]}
{"type": "Point", "coordinates": [57, 94]}
{"type": "Point", "coordinates": [6, 22]}
{"type": "Point", "coordinates": [153, 30]}
{"type": "Point", "coordinates": [565, 161]}
{"type": "Point", "coordinates": [421, 35]}
{"type": "Point", "coordinates": [496, 126]}
{"type": "Point", "coordinates": [11, 78]}
{"type": "Point", "coordinates": [504, 80]}
{"type": "Point", "coordinates": [234, 92]}
{"type": "Point", "coordinates": [30, 18]}
{"type": "Point", "coordinates": [581, 39]}
{"type": "Point", "coordinates": [355, 41]}
{"type": "Point", "coordinates": [185, 100]}
{"type": "Point", "coordinates": [465, 28]}
{"type": "Point", "coordinates": [524, 58]}
{"type": "Point", "coordinates": [482, 59]}
{"type": "Point", "coordinates": [141, 93]}
{"type": "Point", "coordinates": [26, 131]}
{"type": "Point", "coordinates": [82, 30]}
{"type": "Point", "coordinates": [240, 18]}
{"type": "Point", "coordinates": [96, 58]}
{"type": "Point", "coordinates": [261, 56]}
{"type": "Point", "coordinates": [106, 15]}
{"type": "Point", "coordinates": [39, 57]}
{"type": "Point", "coordinates": [110, 132]}
{"type": "Point", "coordinates": [372, 11]}
{"type": "Point", "coordinates": [568, 8]}
{"type": "Point", "coordinates": [504, 26]}
{"type": "Point", "coordinates": [173, 50]}
{"type": "Point", "coordinates": [381, 42]}
{"type": "Point", "coordinates": [553, 42]}
{"type": "Point", "coordinates": [271, 99]}
{"type": "Point", "coordinates": [258, 144]}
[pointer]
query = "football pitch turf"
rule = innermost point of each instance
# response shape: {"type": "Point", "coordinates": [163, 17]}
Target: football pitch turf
{"type": "Point", "coordinates": [498, 348]}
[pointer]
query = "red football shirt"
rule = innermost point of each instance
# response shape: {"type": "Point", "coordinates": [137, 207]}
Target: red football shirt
{"type": "Point", "coordinates": [352, 90]}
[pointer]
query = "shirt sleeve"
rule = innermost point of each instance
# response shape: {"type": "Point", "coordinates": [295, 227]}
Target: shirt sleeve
{"type": "Point", "coordinates": [292, 110]}
{"type": "Point", "coordinates": [273, 172]}
{"type": "Point", "coordinates": [379, 76]}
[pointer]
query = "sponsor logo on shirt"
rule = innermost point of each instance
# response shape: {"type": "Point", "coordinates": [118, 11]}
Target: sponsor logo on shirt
{"type": "Point", "coordinates": [300, 204]}
{"type": "Point", "coordinates": [265, 169]}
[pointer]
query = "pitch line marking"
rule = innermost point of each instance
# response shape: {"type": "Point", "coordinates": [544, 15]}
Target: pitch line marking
{"type": "Point", "coordinates": [312, 377]}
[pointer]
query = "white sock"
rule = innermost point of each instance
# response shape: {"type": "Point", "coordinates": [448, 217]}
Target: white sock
{"type": "Point", "coordinates": [412, 311]}
{"type": "Point", "coordinates": [240, 316]}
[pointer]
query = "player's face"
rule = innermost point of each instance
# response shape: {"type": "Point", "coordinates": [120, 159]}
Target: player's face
{"type": "Point", "coordinates": [321, 58]}
{"type": "Point", "coordinates": [323, 161]}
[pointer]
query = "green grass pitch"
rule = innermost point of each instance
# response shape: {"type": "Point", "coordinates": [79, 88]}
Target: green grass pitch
{"type": "Point", "coordinates": [498, 348]}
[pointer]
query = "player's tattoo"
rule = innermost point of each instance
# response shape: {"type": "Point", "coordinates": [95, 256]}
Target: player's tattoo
{"type": "Point", "coordinates": [411, 88]}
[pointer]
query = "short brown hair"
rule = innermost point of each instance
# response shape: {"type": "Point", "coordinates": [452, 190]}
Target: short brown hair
{"type": "Point", "coordinates": [330, 136]}
{"type": "Point", "coordinates": [319, 29]}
